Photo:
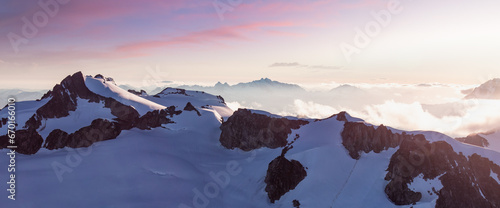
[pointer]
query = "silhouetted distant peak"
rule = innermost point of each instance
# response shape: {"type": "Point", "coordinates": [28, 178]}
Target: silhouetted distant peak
{"type": "Point", "coordinates": [268, 84]}
{"type": "Point", "coordinates": [221, 85]}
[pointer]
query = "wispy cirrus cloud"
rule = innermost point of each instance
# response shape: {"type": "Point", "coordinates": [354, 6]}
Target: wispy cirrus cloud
{"type": "Point", "coordinates": [205, 36]}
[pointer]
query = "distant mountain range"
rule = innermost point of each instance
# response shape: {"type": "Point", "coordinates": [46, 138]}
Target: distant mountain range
{"type": "Point", "coordinates": [19, 94]}
{"type": "Point", "coordinates": [264, 84]}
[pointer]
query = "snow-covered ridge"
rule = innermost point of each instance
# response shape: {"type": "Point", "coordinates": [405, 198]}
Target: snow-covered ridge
{"type": "Point", "coordinates": [109, 89]}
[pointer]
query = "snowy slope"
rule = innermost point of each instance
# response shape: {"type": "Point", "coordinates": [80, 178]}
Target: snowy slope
{"type": "Point", "coordinates": [24, 110]}
{"type": "Point", "coordinates": [109, 89]}
{"type": "Point", "coordinates": [180, 97]}
{"type": "Point", "coordinates": [493, 139]}
{"type": "Point", "coordinates": [83, 116]}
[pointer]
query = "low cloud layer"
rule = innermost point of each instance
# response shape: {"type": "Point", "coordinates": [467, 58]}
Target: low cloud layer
{"type": "Point", "coordinates": [475, 115]}
{"type": "Point", "coordinates": [432, 107]}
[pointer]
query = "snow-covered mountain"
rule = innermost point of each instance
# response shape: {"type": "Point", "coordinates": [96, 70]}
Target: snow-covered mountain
{"type": "Point", "coordinates": [88, 143]}
{"type": "Point", "coordinates": [487, 90]}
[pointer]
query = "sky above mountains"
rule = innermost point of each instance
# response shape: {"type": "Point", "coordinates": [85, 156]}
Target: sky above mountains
{"type": "Point", "coordinates": [295, 41]}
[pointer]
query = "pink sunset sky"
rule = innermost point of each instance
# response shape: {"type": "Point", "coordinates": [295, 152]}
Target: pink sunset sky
{"type": "Point", "coordinates": [205, 41]}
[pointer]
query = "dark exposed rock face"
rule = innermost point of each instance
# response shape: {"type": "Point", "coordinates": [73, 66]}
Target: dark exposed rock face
{"type": "Point", "coordinates": [358, 137]}
{"type": "Point", "coordinates": [474, 139]}
{"type": "Point", "coordinates": [282, 176]}
{"type": "Point", "coordinates": [125, 115]}
{"type": "Point", "coordinates": [177, 91]}
{"type": "Point", "coordinates": [221, 99]}
{"type": "Point", "coordinates": [57, 139]}
{"type": "Point", "coordinates": [296, 203]}
{"type": "Point", "coordinates": [190, 107]}
{"type": "Point", "coordinates": [248, 131]}
{"type": "Point", "coordinates": [99, 130]}
{"type": "Point", "coordinates": [156, 118]}
{"type": "Point", "coordinates": [342, 116]}
{"type": "Point", "coordinates": [142, 92]}
{"type": "Point", "coordinates": [28, 142]}
{"type": "Point", "coordinates": [3, 121]}
{"type": "Point", "coordinates": [463, 178]}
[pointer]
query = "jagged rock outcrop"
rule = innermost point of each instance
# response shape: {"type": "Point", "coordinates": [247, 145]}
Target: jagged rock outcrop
{"type": "Point", "coordinates": [474, 139]}
{"type": "Point", "coordinates": [125, 115]}
{"type": "Point", "coordinates": [221, 99]}
{"type": "Point", "coordinates": [141, 93]}
{"type": "Point", "coordinates": [56, 139]}
{"type": "Point", "coordinates": [28, 142]}
{"type": "Point", "coordinates": [465, 180]}
{"type": "Point", "coordinates": [358, 137]}
{"type": "Point", "coordinates": [170, 90]}
{"type": "Point", "coordinates": [342, 116]}
{"type": "Point", "coordinates": [282, 176]}
{"type": "Point", "coordinates": [99, 130]}
{"type": "Point", "coordinates": [156, 118]}
{"type": "Point", "coordinates": [247, 131]}
{"type": "Point", "coordinates": [190, 107]}
{"type": "Point", "coordinates": [3, 122]}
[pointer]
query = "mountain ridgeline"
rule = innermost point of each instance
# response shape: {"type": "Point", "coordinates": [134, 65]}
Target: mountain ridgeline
{"type": "Point", "coordinates": [190, 145]}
